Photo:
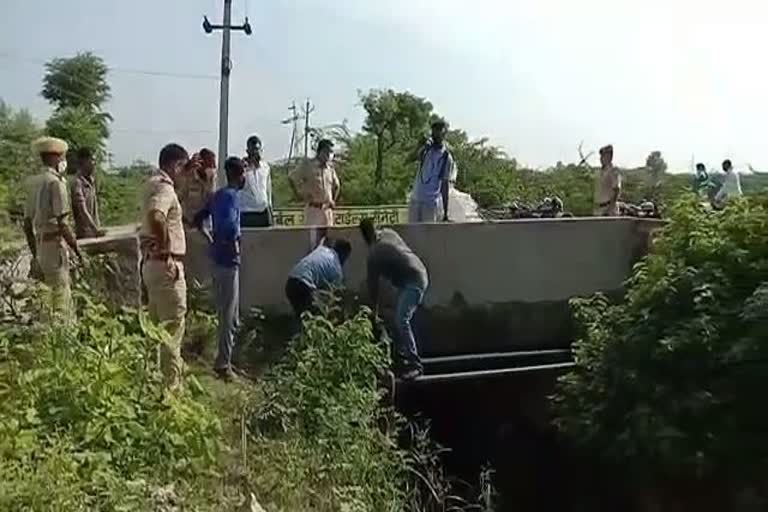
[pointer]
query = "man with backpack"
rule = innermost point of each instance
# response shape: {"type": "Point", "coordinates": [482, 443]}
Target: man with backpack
{"type": "Point", "coordinates": [437, 170]}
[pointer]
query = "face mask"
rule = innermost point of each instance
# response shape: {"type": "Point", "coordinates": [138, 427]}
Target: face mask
{"type": "Point", "coordinates": [62, 167]}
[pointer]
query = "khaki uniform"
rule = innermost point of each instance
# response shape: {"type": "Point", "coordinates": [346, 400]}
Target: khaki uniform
{"type": "Point", "coordinates": [608, 180]}
{"type": "Point", "coordinates": [31, 187]}
{"type": "Point", "coordinates": [194, 191]}
{"type": "Point", "coordinates": [163, 275]}
{"type": "Point", "coordinates": [52, 202]}
{"type": "Point", "coordinates": [85, 207]}
{"type": "Point", "coordinates": [315, 185]}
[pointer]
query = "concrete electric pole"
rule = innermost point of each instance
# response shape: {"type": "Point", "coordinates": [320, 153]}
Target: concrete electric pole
{"type": "Point", "coordinates": [293, 120]}
{"type": "Point", "coordinates": [308, 109]}
{"type": "Point", "coordinates": [226, 70]}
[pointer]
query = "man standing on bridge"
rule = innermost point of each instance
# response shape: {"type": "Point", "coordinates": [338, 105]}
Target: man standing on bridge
{"type": "Point", "coordinates": [389, 257]}
{"type": "Point", "coordinates": [436, 172]}
{"type": "Point", "coordinates": [315, 182]}
{"type": "Point", "coordinates": [608, 186]}
{"type": "Point", "coordinates": [256, 195]}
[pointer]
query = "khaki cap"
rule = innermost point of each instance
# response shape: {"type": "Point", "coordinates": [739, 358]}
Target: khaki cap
{"type": "Point", "coordinates": [50, 145]}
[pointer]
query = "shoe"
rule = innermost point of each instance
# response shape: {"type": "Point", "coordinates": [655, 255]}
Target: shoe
{"type": "Point", "coordinates": [225, 374]}
{"type": "Point", "coordinates": [411, 374]}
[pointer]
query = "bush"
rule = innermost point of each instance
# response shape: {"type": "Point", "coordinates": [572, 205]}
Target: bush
{"type": "Point", "coordinates": [322, 439]}
{"type": "Point", "coordinates": [671, 382]}
{"type": "Point", "coordinates": [83, 416]}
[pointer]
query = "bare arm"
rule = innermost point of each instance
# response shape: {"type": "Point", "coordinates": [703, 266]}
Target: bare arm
{"type": "Point", "coordinates": [29, 233]}
{"type": "Point", "coordinates": [159, 228]}
{"type": "Point", "coordinates": [199, 223]}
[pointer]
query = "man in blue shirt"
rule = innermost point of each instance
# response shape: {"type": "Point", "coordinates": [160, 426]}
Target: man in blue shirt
{"type": "Point", "coordinates": [224, 211]}
{"type": "Point", "coordinates": [436, 172]}
{"type": "Point", "coordinates": [319, 270]}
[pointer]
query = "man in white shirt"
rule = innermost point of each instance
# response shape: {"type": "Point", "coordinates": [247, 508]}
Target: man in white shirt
{"type": "Point", "coordinates": [256, 195]}
{"type": "Point", "coordinates": [731, 187]}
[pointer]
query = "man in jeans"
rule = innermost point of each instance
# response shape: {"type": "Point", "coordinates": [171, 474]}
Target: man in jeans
{"type": "Point", "coordinates": [389, 257]}
{"type": "Point", "coordinates": [224, 211]}
{"type": "Point", "coordinates": [321, 269]}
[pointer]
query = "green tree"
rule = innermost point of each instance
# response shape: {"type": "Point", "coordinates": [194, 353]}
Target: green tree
{"type": "Point", "coordinates": [78, 89]}
{"type": "Point", "coordinates": [80, 127]}
{"type": "Point", "coordinates": [671, 383]}
{"type": "Point", "coordinates": [80, 81]}
{"type": "Point", "coordinates": [393, 117]}
{"type": "Point", "coordinates": [656, 167]}
{"type": "Point", "coordinates": [17, 131]}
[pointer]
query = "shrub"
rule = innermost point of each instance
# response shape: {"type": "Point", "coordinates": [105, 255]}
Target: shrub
{"type": "Point", "coordinates": [670, 383]}
{"type": "Point", "coordinates": [84, 421]}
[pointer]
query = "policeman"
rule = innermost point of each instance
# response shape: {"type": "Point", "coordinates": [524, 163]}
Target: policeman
{"type": "Point", "coordinates": [53, 234]}
{"type": "Point", "coordinates": [163, 246]}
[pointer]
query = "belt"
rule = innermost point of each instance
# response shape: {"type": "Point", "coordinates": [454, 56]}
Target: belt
{"type": "Point", "coordinates": [164, 257]}
{"type": "Point", "coordinates": [50, 237]}
{"type": "Point", "coordinates": [319, 206]}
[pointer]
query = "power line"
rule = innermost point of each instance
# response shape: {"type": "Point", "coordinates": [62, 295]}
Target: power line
{"type": "Point", "coordinates": [114, 69]}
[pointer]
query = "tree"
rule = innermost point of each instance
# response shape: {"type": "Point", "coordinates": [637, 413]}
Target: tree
{"type": "Point", "coordinates": [393, 117]}
{"type": "Point", "coordinates": [80, 127]}
{"type": "Point", "coordinates": [670, 383]}
{"type": "Point", "coordinates": [77, 88]}
{"type": "Point", "coordinates": [656, 167]}
{"type": "Point", "coordinates": [80, 81]}
{"type": "Point", "coordinates": [17, 131]}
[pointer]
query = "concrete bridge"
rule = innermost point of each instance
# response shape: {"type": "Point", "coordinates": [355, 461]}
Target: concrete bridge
{"type": "Point", "coordinates": [494, 287]}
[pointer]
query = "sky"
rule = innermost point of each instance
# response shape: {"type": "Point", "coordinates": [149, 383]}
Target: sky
{"type": "Point", "coordinates": [537, 77]}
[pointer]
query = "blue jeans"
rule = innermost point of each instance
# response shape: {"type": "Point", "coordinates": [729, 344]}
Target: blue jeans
{"type": "Point", "coordinates": [409, 298]}
{"type": "Point", "coordinates": [226, 288]}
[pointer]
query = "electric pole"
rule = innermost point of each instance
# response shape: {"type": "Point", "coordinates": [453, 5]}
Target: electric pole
{"type": "Point", "coordinates": [294, 126]}
{"type": "Point", "coordinates": [308, 109]}
{"type": "Point", "coordinates": [226, 70]}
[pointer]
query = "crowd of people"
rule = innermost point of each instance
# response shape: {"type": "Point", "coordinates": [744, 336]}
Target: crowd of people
{"type": "Point", "coordinates": [181, 194]}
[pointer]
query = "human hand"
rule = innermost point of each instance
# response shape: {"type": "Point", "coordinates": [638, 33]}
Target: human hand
{"type": "Point", "coordinates": [332, 204]}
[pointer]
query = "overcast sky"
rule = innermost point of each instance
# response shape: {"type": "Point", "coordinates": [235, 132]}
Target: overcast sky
{"type": "Point", "coordinates": [687, 77]}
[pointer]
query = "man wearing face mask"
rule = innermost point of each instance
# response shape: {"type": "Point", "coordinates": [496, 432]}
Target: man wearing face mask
{"type": "Point", "coordinates": [163, 246]}
{"type": "Point", "coordinates": [224, 211]}
{"type": "Point", "coordinates": [52, 232]}
{"type": "Point", "coordinates": [317, 185]}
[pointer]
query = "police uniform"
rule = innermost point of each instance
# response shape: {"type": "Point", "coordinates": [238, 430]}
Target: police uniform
{"type": "Point", "coordinates": [315, 184]}
{"type": "Point", "coordinates": [52, 203]}
{"type": "Point", "coordinates": [193, 192]}
{"type": "Point", "coordinates": [163, 273]}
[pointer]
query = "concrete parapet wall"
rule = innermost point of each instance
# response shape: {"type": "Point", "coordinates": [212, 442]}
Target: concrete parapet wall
{"type": "Point", "coordinates": [510, 281]}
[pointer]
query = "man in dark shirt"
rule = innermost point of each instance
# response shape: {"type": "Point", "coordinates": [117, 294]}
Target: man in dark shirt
{"type": "Point", "coordinates": [224, 211]}
{"type": "Point", "coordinates": [389, 257]}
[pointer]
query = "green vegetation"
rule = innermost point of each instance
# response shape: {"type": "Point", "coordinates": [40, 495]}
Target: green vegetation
{"type": "Point", "coordinates": [670, 383]}
{"type": "Point", "coordinates": [86, 425]}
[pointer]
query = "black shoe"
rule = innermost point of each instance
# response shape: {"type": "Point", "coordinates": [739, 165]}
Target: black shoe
{"type": "Point", "coordinates": [411, 373]}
